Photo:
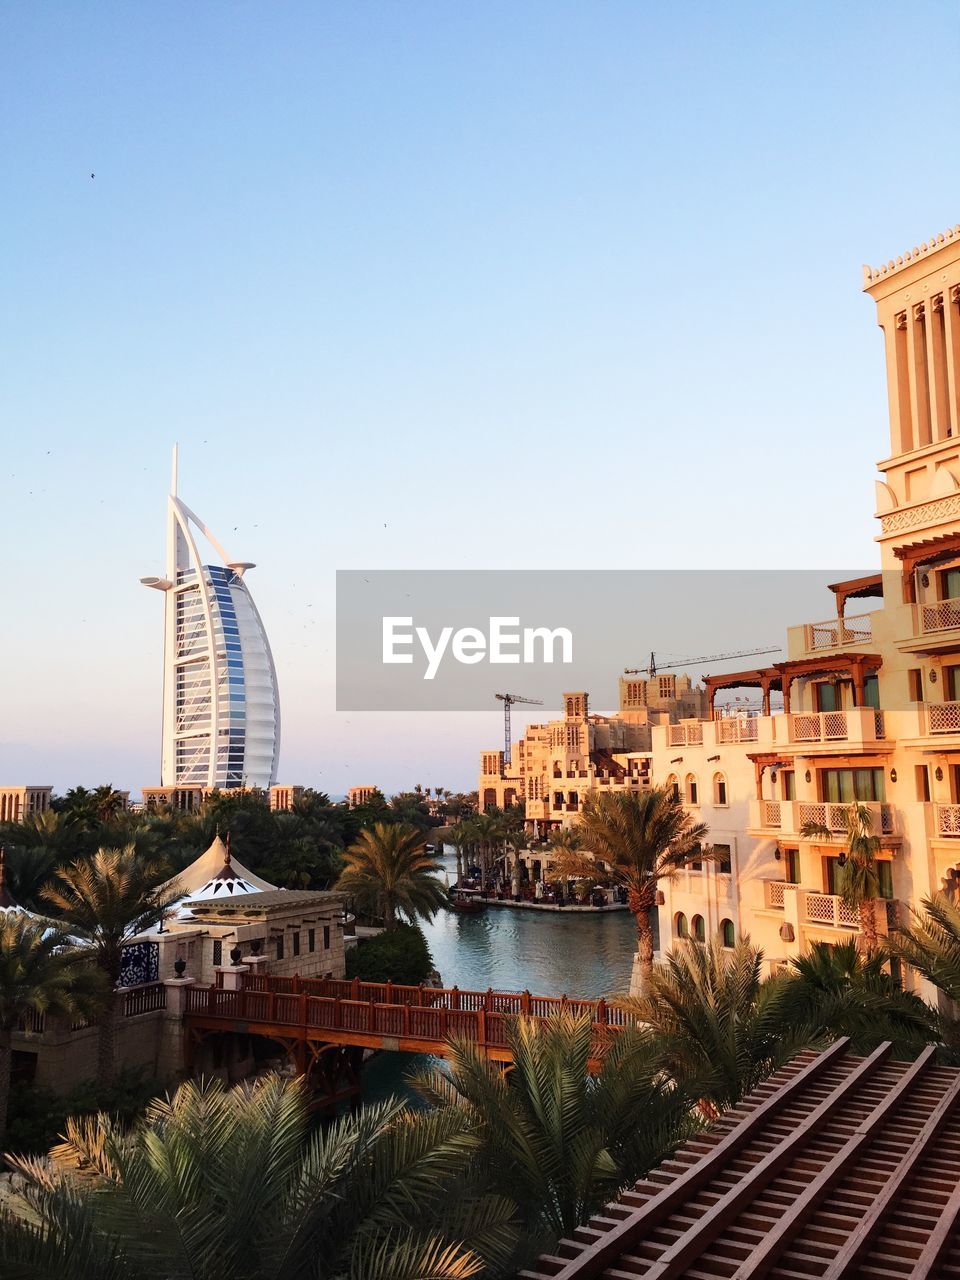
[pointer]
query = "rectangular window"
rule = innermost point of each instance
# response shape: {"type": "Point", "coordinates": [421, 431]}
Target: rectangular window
{"type": "Point", "coordinates": [723, 855]}
{"type": "Point", "coordinates": [952, 683]}
{"type": "Point", "coordinates": [791, 866]}
{"type": "Point", "coordinates": [843, 786]}
{"type": "Point", "coordinates": [923, 781]}
{"type": "Point", "coordinates": [217, 951]}
{"type": "Point", "coordinates": [831, 875]}
{"type": "Point", "coordinates": [788, 787]}
{"type": "Point", "coordinates": [915, 684]}
{"type": "Point", "coordinates": [311, 939]}
{"type": "Point", "coordinates": [296, 943]}
{"type": "Point", "coordinates": [279, 942]}
{"type": "Point", "coordinates": [871, 692]}
{"type": "Point", "coordinates": [885, 877]}
{"type": "Point", "coordinates": [326, 937]}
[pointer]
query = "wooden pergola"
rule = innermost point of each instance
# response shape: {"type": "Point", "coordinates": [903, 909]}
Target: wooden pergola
{"type": "Point", "coordinates": [854, 667]}
{"type": "Point", "coordinates": [928, 552]}
{"type": "Point", "coordinates": [839, 1166]}
{"type": "Point", "coordinates": [870, 585]}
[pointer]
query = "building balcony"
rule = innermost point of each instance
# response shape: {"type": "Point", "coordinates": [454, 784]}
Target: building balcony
{"type": "Point", "coordinates": [858, 726]}
{"type": "Point", "coordinates": [789, 817]}
{"type": "Point", "coordinates": [774, 894]}
{"type": "Point", "coordinates": [946, 819]}
{"type": "Point", "coordinates": [838, 633]}
{"type": "Point", "coordinates": [935, 629]}
{"type": "Point", "coordinates": [938, 718]}
{"type": "Point", "coordinates": [829, 911]}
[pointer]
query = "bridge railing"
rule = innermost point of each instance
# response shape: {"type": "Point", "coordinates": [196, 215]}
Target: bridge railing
{"type": "Point", "coordinates": [431, 1014]}
{"type": "Point", "coordinates": [453, 998]}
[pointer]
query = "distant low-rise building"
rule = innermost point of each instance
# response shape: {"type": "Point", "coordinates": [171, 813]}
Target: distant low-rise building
{"type": "Point", "coordinates": [17, 803]}
{"type": "Point", "coordinates": [283, 799]}
{"type": "Point", "coordinates": [358, 796]}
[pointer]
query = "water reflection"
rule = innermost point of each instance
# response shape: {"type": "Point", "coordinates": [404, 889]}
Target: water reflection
{"type": "Point", "coordinates": [548, 953]}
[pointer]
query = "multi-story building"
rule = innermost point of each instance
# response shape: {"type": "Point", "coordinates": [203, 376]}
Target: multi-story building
{"type": "Point", "coordinates": [17, 803]}
{"type": "Point", "coordinates": [555, 764]}
{"type": "Point", "coordinates": [871, 697]}
{"type": "Point", "coordinates": [221, 707]}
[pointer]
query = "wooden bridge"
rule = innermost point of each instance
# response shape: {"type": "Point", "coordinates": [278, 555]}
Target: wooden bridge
{"type": "Point", "coordinates": [310, 1016]}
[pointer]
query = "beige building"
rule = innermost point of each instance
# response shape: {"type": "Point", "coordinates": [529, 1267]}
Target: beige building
{"type": "Point", "coordinates": [871, 696]}
{"type": "Point", "coordinates": [17, 803]}
{"type": "Point", "coordinates": [282, 799]}
{"type": "Point", "coordinates": [555, 764]}
{"type": "Point", "coordinates": [358, 796]}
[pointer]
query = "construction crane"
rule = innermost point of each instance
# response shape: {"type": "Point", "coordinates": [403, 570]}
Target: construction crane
{"type": "Point", "coordinates": [508, 699]}
{"type": "Point", "coordinates": [652, 669]}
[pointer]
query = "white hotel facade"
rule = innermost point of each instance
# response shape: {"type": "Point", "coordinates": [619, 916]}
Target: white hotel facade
{"type": "Point", "coordinates": [221, 706]}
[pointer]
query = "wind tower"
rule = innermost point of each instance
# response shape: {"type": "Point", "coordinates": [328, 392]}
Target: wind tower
{"type": "Point", "coordinates": [221, 706]}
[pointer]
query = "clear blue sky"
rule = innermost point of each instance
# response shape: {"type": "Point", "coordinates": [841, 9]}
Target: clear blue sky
{"type": "Point", "coordinates": [538, 285]}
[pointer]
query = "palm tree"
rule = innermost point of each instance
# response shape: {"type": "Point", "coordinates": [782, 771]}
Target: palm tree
{"type": "Point", "coordinates": [461, 836]}
{"type": "Point", "coordinates": [859, 883]}
{"type": "Point", "coordinates": [387, 870]}
{"type": "Point", "coordinates": [720, 1028]}
{"type": "Point", "coordinates": [559, 1141]}
{"type": "Point", "coordinates": [849, 992]}
{"type": "Point", "coordinates": [103, 900]}
{"type": "Point", "coordinates": [220, 1183]}
{"type": "Point", "coordinates": [487, 833]}
{"type": "Point", "coordinates": [643, 837]}
{"type": "Point", "coordinates": [931, 944]}
{"type": "Point", "coordinates": [39, 973]}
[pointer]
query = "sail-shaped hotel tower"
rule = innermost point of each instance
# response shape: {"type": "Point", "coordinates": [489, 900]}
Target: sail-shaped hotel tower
{"type": "Point", "coordinates": [221, 708]}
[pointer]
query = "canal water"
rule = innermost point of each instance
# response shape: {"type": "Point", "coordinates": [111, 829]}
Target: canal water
{"type": "Point", "coordinates": [548, 953]}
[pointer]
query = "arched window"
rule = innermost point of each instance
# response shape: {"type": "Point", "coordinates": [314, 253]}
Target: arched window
{"type": "Point", "coordinates": [680, 926]}
{"type": "Point", "coordinates": [673, 785]}
{"type": "Point", "coordinates": [720, 790]}
{"type": "Point", "coordinates": [690, 784]}
{"type": "Point", "coordinates": [699, 931]}
{"type": "Point", "coordinates": [728, 933]}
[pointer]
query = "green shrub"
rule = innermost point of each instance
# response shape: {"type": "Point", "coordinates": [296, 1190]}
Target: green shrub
{"type": "Point", "coordinates": [402, 955]}
{"type": "Point", "coordinates": [38, 1116]}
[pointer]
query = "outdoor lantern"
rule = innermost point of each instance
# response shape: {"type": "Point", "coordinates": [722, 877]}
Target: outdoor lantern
{"type": "Point", "coordinates": [807, 776]}
{"type": "Point", "coordinates": [786, 932]}
{"type": "Point", "coordinates": [255, 946]}
{"type": "Point", "coordinates": [661, 900]}
{"type": "Point", "coordinates": [179, 966]}
{"type": "Point", "coordinates": [939, 774]}
{"type": "Point", "coordinates": [236, 955]}
{"type": "Point", "coordinates": [933, 676]}
{"type": "Point", "coordinates": [893, 775]}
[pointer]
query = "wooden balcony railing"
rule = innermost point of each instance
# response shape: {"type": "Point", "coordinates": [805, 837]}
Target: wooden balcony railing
{"type": "Point", "coordinates": [948, 820]}
{"type": "Point", "coordinates": [939, 615]}
{"type": "Point", "coordinates": [941, 717]}
{"type": "Point", "coordinates": [838, 633]}
{"type": "Point", "coordinates": [774, 892]}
